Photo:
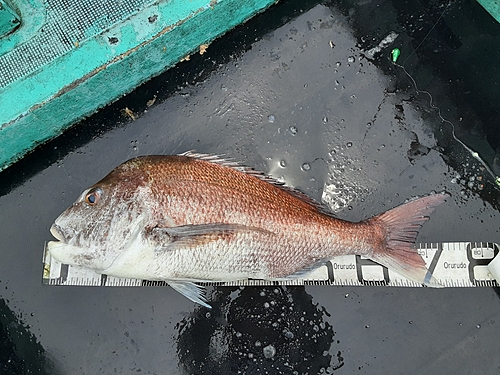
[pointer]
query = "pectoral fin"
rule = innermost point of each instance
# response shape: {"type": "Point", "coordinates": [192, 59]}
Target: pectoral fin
{"type": "Point", "coordinates": [194, 292]}
{"type": "Point", "coordinates": [194, 235]}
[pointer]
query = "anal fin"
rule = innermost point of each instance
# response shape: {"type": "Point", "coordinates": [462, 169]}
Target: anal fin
{"type": "Point", "coordinates": [303, 272]}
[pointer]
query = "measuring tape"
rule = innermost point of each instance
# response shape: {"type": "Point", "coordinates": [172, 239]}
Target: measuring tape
{"type": "Point", "coordinates": [453, 264]}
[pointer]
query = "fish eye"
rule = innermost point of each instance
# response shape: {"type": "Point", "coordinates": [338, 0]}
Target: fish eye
{"type": "Point", "coordinates": [93, 197]}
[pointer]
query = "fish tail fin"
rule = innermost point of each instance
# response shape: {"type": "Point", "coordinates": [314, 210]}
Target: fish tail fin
{"type": "Point", "coordinates": [401, 226]}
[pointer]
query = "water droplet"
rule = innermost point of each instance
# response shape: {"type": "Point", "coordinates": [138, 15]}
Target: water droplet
{"type": "Point", "coordinates": [478, 326]}
{"type": "Point", "coordinates": [270, 118]}
{"type": "Point", "coordinates": [351, 59]}
{"type": "Point", "coordinates": [306, 167]}
{"type": "Point", "coordinates": [293, 130]}
{"type": "Point", "coordinates": [453, 181]}
{"type": "Point", "coordinates": [269, 351]}
{"type": "Point", "coordinates": [208, 315]}
{"type": "Point", "coordinates": [349, 144]}
{"type": "Point", "coordinates": [325, 120]}
{"type": "Point", "coordinates": [282, 164]}
{"type": "Point", "coordinates": [238, 334]}
{"type": "Point", "coordinates": [288, 334]}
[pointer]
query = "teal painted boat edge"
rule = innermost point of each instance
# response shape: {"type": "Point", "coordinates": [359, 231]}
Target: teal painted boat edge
{"type": "Point", "coordinates": [79, 56]}
{"type": "Point", "coordinates": [106, 84]}
{"type": "Point", "coordinates": [9, 19]}
{"type": "Point", "coordinates": [492, 6]}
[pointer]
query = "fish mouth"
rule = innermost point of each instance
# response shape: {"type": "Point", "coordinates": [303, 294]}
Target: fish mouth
{"type": "Point", "coordinates": [60, 250]}
{"type": "Point", "coordinates": [58, 233]}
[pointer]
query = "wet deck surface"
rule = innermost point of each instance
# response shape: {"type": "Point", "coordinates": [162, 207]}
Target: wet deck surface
{"type": "Point", "coordinates": [296, 94]}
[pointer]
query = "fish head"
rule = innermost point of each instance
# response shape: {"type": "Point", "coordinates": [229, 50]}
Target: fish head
{"type": "Point", "coordinates": [103, 222]}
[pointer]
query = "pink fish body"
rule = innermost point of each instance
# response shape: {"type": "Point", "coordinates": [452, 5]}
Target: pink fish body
{"type": "Point", "coordinates": [194, 217]}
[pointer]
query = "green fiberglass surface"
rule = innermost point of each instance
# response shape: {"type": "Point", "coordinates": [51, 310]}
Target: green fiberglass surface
{"type": "Point", "coordinates": [61, 61]}
{"type": "Point", "coordinates": [492, 6]}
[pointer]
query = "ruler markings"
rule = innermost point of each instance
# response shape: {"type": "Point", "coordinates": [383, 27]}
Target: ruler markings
{"type": "Point", "coordinates": [453, 264]}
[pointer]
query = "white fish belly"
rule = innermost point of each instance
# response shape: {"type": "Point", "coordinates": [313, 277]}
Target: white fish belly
{"type": "Point", "coordinates": [219, 260]}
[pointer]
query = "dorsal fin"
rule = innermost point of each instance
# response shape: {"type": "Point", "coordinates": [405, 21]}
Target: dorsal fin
{"type": "Point", "coordinates": [226, 162]}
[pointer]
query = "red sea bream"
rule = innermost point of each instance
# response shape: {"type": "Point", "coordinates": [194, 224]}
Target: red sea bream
{"type": "Point", "coordinates": [193, 217]}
